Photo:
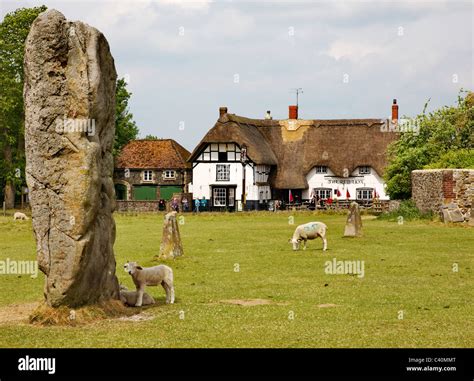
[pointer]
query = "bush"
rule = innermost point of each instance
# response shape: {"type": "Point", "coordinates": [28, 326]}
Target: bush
{"type": "Point", "coordinates": [408, 211]}
{"type": "Point", "coordinates": [463, 158]}
{"type": "Point", "coordinates": [444, 139]}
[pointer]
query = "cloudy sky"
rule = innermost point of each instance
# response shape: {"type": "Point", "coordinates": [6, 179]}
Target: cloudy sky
{"type": "Point", "coordinates": [185, 59]}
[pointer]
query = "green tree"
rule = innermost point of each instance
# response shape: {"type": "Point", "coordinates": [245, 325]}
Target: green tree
{"type": "Point", "coordinates": [125, 127]}
{"type": "Point", "coordinates": [443, 139]}
{"type": "Point", "coordinates": [13, 32]}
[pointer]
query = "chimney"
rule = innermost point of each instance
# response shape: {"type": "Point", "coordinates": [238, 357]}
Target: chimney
{"type": "Point", "coordinates": [268, 115]}
{"type": "Point", "coordinates": [394, 110]}
{"type": "Point", "coordinates": [293, 112]}
{"type": "Point", "coordinates": [222, 111]}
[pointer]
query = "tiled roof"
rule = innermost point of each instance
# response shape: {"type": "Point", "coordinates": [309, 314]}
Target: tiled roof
{"type": "Point", "coordinates": [160, 154]}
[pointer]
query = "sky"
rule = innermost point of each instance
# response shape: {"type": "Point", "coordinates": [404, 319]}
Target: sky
{"type": "Point", "coordinates": [184, 59]}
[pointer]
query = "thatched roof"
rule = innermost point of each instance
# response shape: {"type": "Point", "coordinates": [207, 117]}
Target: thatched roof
{"type": "Point", "coordinates": [296, 146]}
{"type": "Point", "coordinates": [148, 154]}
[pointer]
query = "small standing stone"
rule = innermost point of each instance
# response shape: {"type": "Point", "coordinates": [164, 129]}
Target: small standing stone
{"type": "Point", "coordinates": [171, 246]}
{"type": "Point", "coordinates": [354, 222]}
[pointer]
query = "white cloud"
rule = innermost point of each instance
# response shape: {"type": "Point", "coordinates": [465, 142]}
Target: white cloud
{"type": "Point", "coordinates": [352, 50]}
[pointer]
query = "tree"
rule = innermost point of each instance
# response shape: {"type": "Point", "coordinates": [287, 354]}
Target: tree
{"type": "Point", "coordinates": [125, 127]}
{"type": "Point", "coordinates": [443, 139]}
{"type": "Point", "coordinates": [13, 32]}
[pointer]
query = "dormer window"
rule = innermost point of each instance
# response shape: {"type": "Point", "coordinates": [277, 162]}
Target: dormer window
{"type": "Point", "coordinates": [147, 175]}
{"type": "Point", "coordinates": [321, 169]}
{"type": "Point", "coordinates": [364, 170]}
{"type": "Point", "coordinates": [169, 175]}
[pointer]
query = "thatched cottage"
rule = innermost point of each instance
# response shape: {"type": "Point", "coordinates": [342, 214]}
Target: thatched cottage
{"type": "Point", "coordinates": [291, 159]}
{"type": "Point", "coordinates": [148, 170]}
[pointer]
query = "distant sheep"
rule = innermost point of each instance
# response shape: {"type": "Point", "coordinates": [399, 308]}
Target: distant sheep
{"type": "Point", "coordinates": [20, 216]}
{"type": "Point", "coordinates": [309, 231]}
{"type": "Point", "coordinates": [130, 297]}
{"type": "Point", "coordinates": [151, 276]}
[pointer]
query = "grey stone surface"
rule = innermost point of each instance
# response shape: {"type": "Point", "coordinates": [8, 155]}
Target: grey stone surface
{"type": "Point", "coordinates": [171, 245]}
{"type": "Point", "coordinates": [353, 226]}
{"type": "Point", "coordinates": [452, 213]}
{"type": "Point", "coordinates": [69, 98]}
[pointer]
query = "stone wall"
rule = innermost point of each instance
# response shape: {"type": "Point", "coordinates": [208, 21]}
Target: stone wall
{"type": "Point", "coordinates": [433, 188]}
{"type": "Point", "coordinates": [136, 206]}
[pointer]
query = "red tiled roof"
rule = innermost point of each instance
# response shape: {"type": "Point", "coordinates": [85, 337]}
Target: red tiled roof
{"type": "Point", "coordinates": [162, 154]}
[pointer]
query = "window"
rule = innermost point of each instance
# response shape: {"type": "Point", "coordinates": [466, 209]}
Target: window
{"type": "Point", "coordinates": [223, 172]}
{"type": "Point", "coordinates": [323, 193]}
{"type": "Point", "coordinates": [264, 193]}
{"type": "Point", "coordinates": [147, 175]}
{"type": "Point", "coordinates": [260, 173]}
{"type": "Point", "coordinates": [219, 196]}
{"type": "Point", "coordinates": [364, 170]}
{"type": "Point", "coordinates": [365, 193]}
{"type": "Point", "coordinates": [169, 174]}
{"type": "Point", "coordinates": [321, 169]}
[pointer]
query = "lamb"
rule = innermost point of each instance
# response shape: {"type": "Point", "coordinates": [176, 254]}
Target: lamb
{"type": "Point", "coordinates": [20, 216]}
{"type": "Point", "coordinates": [309, 231]}
{"type": "Point", "coordinates": [151, 276]}
{"type": "Point", "coordinates": [130, 297]}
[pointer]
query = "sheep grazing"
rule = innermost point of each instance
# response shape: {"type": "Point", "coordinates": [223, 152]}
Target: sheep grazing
{"type": "Point", "coordinates": [311, 230]}
{"type": "Point", "coordinates": [151, 276]}
{"type": "Point", "coordinates": [20, 216]}
{"type": "Point", "coordinates": [130, 297]}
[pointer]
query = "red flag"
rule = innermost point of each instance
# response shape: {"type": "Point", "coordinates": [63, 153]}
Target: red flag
{"type": "Point", "coordinates": [290, 197]}
{"type": "Point", "coordinates": [338, 193]}
{"type": "Point", "coordinates": [348, 195]}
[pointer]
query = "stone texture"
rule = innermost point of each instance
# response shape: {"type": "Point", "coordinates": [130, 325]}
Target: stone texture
{"type": "Point", "coordinates": [171, 246]}
{"type": "Point", "coordinates": [451, 213]}
{"type": "Point", "coordinates": [353, 226]}
{"type": "Point", "coordinates": [70, 78]}
{"type": "Point", "coordinates": [434, 188]}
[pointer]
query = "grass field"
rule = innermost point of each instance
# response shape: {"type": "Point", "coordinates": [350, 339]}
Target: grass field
{"type": "Point", "coordinates": [409, 297]}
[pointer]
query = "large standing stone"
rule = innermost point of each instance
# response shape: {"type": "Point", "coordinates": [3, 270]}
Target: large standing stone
{"type": "Point", "coordinates": [171, 246]}
{"type": "Point", "coordinates": [69, 130]}
{"type": "Point", "coordinates": [354, 222]}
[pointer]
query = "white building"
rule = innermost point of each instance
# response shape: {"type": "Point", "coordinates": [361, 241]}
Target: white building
{"type": "Point", "coordinates": [330, 159]}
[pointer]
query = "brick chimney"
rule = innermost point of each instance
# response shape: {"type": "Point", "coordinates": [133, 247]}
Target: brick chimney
{"type": "Point", "coordinates": [292, 112]}
{"type": "Point", "coordinates": [222, 111]}
{"type": "Point", "coordinates": [394, 110]}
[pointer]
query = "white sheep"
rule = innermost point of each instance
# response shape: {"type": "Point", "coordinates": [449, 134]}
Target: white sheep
{"type": "Point", "coordinates": [151, 276]}
{"type": "Point", "coordinates": [130, 297]}
{"type": "Point", "coordinates": [20, 216]}
{"type": "Point", "coordinates": [309, 231]}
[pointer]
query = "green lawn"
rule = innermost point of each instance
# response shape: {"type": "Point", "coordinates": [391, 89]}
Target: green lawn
{"type": "Point", "coordinates": [408, 268]}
